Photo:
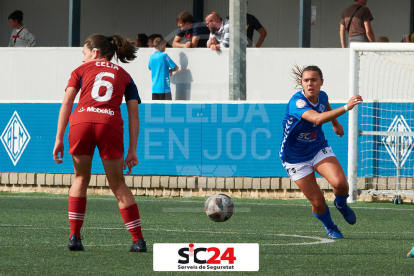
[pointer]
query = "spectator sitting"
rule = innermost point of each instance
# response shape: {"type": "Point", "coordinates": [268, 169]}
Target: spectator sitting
{"type": "Point", "coordinates": [141, 40]}
{"type": "Point", "coordinates": [357, 20]}
{"type": "Point", "coordinates": [383, 39]}
{"type": "Point", "coordinates": [20, 36]}
{"type": "Point", "coordinates": [161, 67]}
{"type": "Point", "coordinates": [219, 32]}
{"type": "Point", "coordinates": [196, 32]}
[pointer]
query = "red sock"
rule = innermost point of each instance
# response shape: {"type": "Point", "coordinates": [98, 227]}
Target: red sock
{"type": "Point", "coordinates": [132, 221]}
{"type": "Point", "coordinates": [77, 207]}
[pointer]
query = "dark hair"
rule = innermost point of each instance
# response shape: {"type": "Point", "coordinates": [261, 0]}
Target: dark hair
{"type": "Point", "coordinates": [109, 45]}
{"type": "Point", "coordinates": [143, 40]}
{"type": "Point", "coordinates": [297, 73]}
{"type": "Point", "coordinates": [16, 15]}
{"type": "Point", "coordinates": [154, 36]}
{"type": "Point", "coordinates": [185, 17]}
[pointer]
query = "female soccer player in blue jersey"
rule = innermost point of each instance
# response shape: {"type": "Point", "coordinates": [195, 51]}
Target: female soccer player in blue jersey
{"type": "Point", "coordinates": [305, 149]}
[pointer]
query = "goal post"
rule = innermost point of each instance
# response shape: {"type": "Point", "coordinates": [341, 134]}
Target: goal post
{"type": "Point", "coordinates": [380, 137]}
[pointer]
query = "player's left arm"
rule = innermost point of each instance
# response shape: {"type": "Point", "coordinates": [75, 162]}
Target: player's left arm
{"type": "Point", "coordinates": [337, 127]}
{"type": "Point", "coordinates": [131, 159]}
{"type": "Point", "coordinates": [63, 120]}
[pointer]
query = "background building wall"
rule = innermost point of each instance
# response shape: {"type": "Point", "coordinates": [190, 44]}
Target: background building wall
{"type": "Point", "coordinates": [48, 19]}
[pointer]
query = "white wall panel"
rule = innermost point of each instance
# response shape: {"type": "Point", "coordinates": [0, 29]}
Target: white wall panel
{"type": "Point", "coordinates": [41, 74]}
{"type": "Point", "coordinates": [269, 72]}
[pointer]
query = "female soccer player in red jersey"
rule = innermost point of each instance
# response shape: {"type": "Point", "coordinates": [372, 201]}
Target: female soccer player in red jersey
{"type": "Point", "coordinates": [97, 121]}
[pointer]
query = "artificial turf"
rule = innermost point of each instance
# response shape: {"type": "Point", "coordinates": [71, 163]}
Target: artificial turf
{"type": "Point", "coordinates": [34, 232]}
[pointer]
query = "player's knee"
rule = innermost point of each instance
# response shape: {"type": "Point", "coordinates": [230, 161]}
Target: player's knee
{"type": "Point", "coordinates": [116, 184]}
{"type": "Point", "coordinates": [339, 182]}
{"type": "Point", "coordinates": [83, 180]}
{"type": "Point", "coordinates": [318, 203]}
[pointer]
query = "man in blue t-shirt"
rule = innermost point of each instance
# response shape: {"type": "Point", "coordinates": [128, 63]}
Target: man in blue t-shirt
{"type": "Point", "coordinates": [161, 67]}
{"type": "Point", "coordinates": [196, 32]}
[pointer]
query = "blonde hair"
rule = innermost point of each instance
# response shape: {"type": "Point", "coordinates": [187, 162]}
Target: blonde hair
{"type": "Point", "coordinates": [159, 42]}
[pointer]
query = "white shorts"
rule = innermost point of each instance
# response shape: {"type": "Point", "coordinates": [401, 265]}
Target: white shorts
{"type": "Point", "coordinates": [300, 170]}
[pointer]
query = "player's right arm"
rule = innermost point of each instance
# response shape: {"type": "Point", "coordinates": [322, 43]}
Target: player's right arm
{"type": "Point", "coordinates": [131, 159]}
{"type": "Point", "coordinates": [324, 117]}
{"type": "Point", "coordinates": [63, 120]}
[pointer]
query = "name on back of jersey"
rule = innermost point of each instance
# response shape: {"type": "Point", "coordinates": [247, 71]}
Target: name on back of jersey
{"type": "Point", "coordinates": [106, 64]}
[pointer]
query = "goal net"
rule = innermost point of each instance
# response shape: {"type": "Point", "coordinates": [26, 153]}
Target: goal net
{"type": "Point", "coordinates": [381, 129]}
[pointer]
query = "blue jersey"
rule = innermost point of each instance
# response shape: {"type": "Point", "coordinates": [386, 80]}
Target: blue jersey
{"type": "Point", "coordinates": [160, 63]}
{"type": "Point", "coordinates": [302, 140]}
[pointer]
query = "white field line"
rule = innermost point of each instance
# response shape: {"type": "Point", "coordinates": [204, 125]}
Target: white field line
{"type": "Point", "coordinates": [195, 201]}
{"type": "Point", "coordinates": [318, 239]}
{"type": "Point", "coordinates": [34, 227]}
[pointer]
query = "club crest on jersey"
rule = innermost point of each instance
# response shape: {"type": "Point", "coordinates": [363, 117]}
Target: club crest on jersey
{"type": "Point", "coordinates": [300, 103]}
{"type": "Point", "coordinates": [321, 108]}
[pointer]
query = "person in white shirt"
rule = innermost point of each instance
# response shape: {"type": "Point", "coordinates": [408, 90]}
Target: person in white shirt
{"type": "Point", "coordinates": [20, 36]}
{"type": "Point", "coordinates": [219, 31]}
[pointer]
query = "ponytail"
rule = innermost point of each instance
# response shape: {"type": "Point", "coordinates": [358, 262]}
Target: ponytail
{"type": "Point", "coordinates": [297, 73]}
{"type": "Point", "coordinates": [125, 49]}
{"type": "Point", "coordinates": [111, 45]}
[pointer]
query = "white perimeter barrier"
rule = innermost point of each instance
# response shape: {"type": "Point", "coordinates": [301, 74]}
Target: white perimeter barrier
{"type": "Point", "coordinates": [41, 74]}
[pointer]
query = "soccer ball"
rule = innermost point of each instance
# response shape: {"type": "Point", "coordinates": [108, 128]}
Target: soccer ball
{"type": "Point", "coordinates": [219, 207]}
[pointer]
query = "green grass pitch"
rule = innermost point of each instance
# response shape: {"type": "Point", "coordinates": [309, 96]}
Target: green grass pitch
{"type": "Point", "coordinates": [34, 231]}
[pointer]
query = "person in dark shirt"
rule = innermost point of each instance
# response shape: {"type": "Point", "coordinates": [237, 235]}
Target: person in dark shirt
{"type": "Point", "coordinates": [196, 32]}
{"type": "Point", "coordinates": [252, 23]}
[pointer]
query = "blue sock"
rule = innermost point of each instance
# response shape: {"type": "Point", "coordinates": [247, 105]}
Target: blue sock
{"type": "Point", "coordinates": [325, 218]}
{"type": "Point", "coordinates": [341, 201]}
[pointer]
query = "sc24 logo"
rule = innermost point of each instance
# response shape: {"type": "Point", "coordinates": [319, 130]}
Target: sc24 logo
{"type": "Point", "coordinates": [228, 255]}
{"type": "Point", "coordinates": [308, 135]}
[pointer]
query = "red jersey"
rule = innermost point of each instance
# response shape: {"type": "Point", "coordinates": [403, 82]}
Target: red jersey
{"type": "Point", "coordinates": [102, 84]}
